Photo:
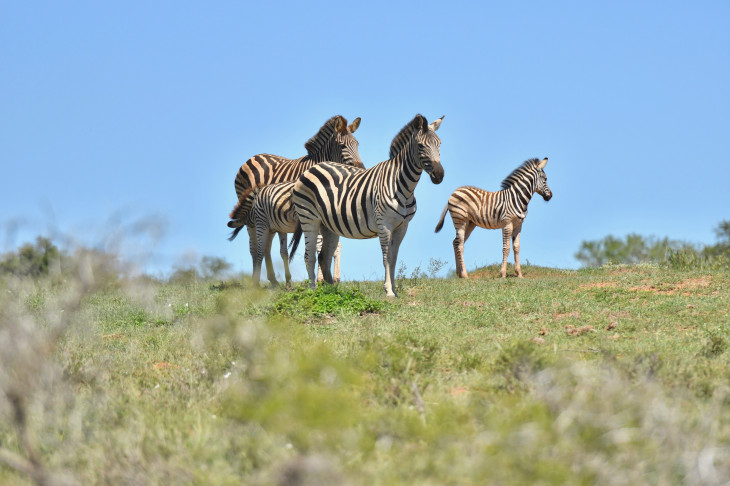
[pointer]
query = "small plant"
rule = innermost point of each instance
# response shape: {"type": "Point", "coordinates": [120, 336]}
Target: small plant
{"type": "Point", "coordinates": [434, 266]}
{"type": "Point", "coordinates": [518, 361]}
{"type": "Point", "coordinates": [716, 342]}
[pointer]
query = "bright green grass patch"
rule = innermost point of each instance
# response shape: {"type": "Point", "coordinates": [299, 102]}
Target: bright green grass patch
{"type": "Point", "coordinates": [326, 300]}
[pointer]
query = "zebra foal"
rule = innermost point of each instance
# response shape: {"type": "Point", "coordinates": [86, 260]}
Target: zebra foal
{"type": "Point", "coordinates": [270, 214]}
{"type": "Point", "coordinates": [471, 207]}
{"type": "Point", "coordinates": [338, 200]}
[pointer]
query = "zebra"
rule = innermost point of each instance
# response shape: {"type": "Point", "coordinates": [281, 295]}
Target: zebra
{"type": "Point", "coordinates": [471, 207]}
{"type": "Point", "coordinates": [334, 142]}
{"type": "Point", "coordinates": [272, 213]}
{"type": "Point", "coordinates": [343, 201]}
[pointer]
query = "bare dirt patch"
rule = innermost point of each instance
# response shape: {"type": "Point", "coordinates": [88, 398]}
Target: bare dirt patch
{"type": "Point", "coordinates": [598, 285]}
{"type": "Point", "coordinates": [685, 286]}
{"type": "Point", "coordinates": [577, 331]}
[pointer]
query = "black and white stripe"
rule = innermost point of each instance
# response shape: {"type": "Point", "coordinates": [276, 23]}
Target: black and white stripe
{"type": "Point", "coordinates": [471, 207]}
{"type": "Point", "coordinates": [378, 202]}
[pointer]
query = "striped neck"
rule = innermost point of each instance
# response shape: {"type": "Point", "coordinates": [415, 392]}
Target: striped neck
{"type": "Point", "coordinates": [521, 189]}
{"type": "Point", "coordinates": [408, 170]}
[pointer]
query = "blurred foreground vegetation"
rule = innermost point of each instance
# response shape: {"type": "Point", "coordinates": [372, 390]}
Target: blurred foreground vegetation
{"type": "Point", "coordinates": [613, 375]}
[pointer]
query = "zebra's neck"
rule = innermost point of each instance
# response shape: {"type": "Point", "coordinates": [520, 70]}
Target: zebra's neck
{"type": "Point", "coordinates": [520, 193]}
{"type": "Point", "coordinates": [325, 154]}
{"type": "Point", "coordinates": [407, 173]}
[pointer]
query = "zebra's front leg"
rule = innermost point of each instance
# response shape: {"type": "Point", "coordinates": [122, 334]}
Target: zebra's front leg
{"type": "Point", "coordinates": [395, 241]}
{"type": "Point", "coordinates": [516, 248]}
{"type": "Point", "coordinates": [385, 236]}
{"type": "Point", "coordinates": [284, 257]}
{"type": "Point", "coordinates": [506, 237]}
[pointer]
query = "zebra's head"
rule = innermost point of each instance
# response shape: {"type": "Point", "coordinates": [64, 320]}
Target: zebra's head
{"type": "Point", "coordinates": [428, 144]}
{"type": "Point", "coordinates": [541, 185]}
{"type": "Point", "coordinates": [346, 143]}
{"type": "Point", "coordinates": [529, 178]}
{"type": "Point", "coordinates": [335, 142]}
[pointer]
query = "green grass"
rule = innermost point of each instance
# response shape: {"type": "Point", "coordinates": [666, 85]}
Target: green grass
{"type": "Point", "coordinates": [615, 375]}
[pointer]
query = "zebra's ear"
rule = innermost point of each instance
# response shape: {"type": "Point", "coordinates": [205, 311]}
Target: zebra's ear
{"type": "Point", "coordinates": [420, 122]}
{"type": "Point", "coordinates": [340, 124]}
{"type": "Point", "coordinates": [436, 124]}
{"type": "Point", "coordinates": [542, 163]}
{"type": "Point", "coordinates": [354, 125]}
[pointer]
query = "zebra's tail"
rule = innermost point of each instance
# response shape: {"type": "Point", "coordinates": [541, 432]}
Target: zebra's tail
{"type": "Point", "coordinates": [443, 217]}
{"type": "Point", "coordinates": [239, 214]}
{"type": "Point", "coordinates": [294, 243]}
{"type": "Point", "coordinates": [236, 230]}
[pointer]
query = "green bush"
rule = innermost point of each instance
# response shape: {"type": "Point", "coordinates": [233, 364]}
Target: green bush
{"type": "Point", "coordinates": [32, 260]}
{"type": "Point", "coordinates": [326, 300]}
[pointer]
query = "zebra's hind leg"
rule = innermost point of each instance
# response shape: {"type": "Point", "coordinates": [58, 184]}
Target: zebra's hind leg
{"type": "Point", "coordinates": [310, 252]}
{"type": "Point", "coordinates": [336, 271]}
{"type": "Point", "coordinates": [506, 237]}
{"type": "Point", "coordinates": [320, 277]}
{"type": "Point", "coordinates": [516, 249]}
{"type": "Point", "coordinates": [330, 241]}
{"type": "Point", "coordinates": [463, 231]}
{"type": "Point", "coordinates": [252, 246]}
{"type": "Point", "coordinates": [263, 252]}
{"type": "Point", "coordinates": [270, 274]}
{"type": "Point", "coordinates": [284, 257]}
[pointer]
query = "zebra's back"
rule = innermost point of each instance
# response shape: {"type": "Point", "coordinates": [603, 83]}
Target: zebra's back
{"type": "Point", "coordinates": [260, 171]}
{"type": "Point", "coordinates": [264, 169]}
{"type": "Point", "coordinates": [483, 208]}
{"type": "Point", "coordinates": [273, 208]}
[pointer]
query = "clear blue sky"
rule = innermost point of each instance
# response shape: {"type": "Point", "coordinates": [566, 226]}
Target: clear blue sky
{"type": "Point", "coordinates": [116, 116]}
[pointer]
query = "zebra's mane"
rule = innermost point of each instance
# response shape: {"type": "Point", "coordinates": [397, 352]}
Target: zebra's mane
{"type": "Point", "coordinates": [519, 173]}
{"type": "Point", "coordinates": [323, 136]}
{"type": "Point", "coordinates": [404, 136]}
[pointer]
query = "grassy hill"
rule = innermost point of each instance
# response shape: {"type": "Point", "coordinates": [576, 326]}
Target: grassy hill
{"type": "Point", "coordinates": [616, 375]}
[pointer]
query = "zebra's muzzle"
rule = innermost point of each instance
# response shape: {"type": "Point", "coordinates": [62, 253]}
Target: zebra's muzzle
{"type": "Point", "coordinates": [436, 173]}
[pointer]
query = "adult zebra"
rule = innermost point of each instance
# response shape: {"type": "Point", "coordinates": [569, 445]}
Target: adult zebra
{"type": "Point", "coordinates": [273, 213]}
{"type": "Point", "coordinates": [343, 201]}
{"type": "Point", "coordinates": [471, 207]}
{"type": "Point", "coordinates": [333, 142]}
